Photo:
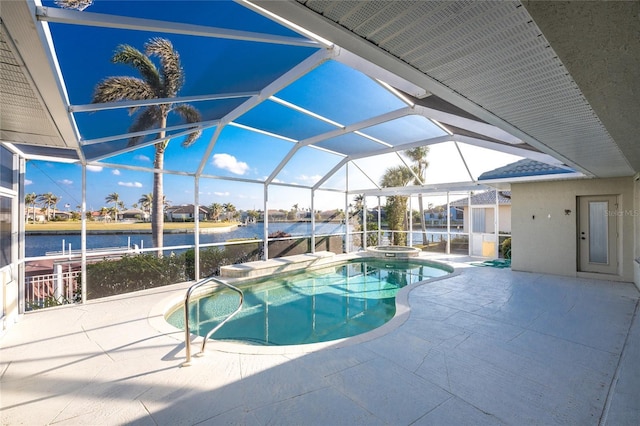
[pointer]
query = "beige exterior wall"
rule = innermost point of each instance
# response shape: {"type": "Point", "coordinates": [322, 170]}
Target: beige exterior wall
{"type": "Point", "coordinates": [505, 219]}
{"type": "Point", "coordinates": [545, 238]}
{"type": "Point", "coordinates": [9, 285]}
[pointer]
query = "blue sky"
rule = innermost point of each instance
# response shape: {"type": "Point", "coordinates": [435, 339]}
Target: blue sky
{"type": "Point", "coordinates": [212, 66]}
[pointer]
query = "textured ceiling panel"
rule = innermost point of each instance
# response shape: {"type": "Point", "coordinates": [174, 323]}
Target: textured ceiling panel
{"type": "Point", "coordinates": [22, 117]}
{"type": "Point", "coordinates": [494, 54]}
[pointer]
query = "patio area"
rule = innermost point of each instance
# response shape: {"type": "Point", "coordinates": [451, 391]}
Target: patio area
{"type": "Point", "coordinates": [486, 346]}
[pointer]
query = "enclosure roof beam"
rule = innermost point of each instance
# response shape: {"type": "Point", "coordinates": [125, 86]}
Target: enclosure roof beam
{"type": "Point", "coordinates": [424, 189]}
{"type": "Point", "coordinates": [74, 17]}
{"type": "Point", "coordinates": [158, 101]}
{"type": "Point", "coordinates": [193, 126]}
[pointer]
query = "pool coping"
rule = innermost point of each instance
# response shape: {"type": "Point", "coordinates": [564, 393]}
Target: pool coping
{"type": "Point", "coordinates": [156, 318]}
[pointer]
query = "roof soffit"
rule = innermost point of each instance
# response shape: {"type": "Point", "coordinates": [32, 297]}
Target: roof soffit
{"type": "Point", "coordinates": [39, 70]}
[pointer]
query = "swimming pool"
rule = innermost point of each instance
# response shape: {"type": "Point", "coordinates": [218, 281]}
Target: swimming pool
{"type": "Point", "coordinates": [309, 307]}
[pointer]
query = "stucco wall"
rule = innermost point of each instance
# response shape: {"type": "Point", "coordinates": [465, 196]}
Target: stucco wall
{"type": "Point", "coordinates": [545, 238]}
{"type": "Point", "coordinates": [9, 288]}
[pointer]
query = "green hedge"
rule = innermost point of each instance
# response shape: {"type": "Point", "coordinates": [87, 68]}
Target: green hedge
{"type": "Point", "coordinates": [133, 273]}
{"type": "Point", "coordinates": [138, 272]}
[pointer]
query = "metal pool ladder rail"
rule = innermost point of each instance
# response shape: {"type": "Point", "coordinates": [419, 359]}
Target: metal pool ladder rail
{"type": "Point", "coordinates": [187, 299]}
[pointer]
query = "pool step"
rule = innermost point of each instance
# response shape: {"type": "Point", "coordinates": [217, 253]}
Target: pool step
{"type": "Point", "coordinates": [262, 268]}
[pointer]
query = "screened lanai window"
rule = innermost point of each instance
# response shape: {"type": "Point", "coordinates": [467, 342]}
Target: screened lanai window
{"type": "Point", "coordinates": [479, 220]}
{"type": "Point", "coordinates": [6, 201]}
{"type": "Point", "coordinates": [5, 231]}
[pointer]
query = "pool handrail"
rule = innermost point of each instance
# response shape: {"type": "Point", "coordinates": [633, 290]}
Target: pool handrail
{"type": "Point", "coordinates": [187, 298]}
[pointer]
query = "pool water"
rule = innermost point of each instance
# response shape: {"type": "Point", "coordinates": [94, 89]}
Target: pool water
{"type": "Point", "coordinates": [308, 307]}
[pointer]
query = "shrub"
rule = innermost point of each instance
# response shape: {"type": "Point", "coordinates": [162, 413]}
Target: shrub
{"type": "Point", "coordinates": [506, 248]}
{"type": "Point", "coordinates": [372, 237]}
{"type": "Point", "coordinates": [212, 258]}
{"type": "Point", "coordinates": [133, 273]}
{"type": "Point", "coordinates": [279, 234]}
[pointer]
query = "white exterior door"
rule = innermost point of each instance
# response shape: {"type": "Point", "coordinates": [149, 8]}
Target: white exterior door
{"type": "Point", "coordinates": [598, 234]}
{"type": "Point", "coordinates": [483, 237]}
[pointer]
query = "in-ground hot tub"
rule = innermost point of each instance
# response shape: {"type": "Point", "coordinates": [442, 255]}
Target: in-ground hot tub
{"type": "Point", "coordinates": [398, 252]}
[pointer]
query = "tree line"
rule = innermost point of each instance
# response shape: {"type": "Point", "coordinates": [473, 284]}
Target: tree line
{"type": "Point", "coordinates": [47, 205]}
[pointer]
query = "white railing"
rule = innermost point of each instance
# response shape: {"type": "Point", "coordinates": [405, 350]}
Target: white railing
{"type": "Point", "coordinates": [51, 289]}
{"type": "Point", "coordinates": [56, 287]}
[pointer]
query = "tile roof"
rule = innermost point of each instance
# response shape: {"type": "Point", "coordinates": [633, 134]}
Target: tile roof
{"type": "Point", "coordinates": [522, 168]}
{"type": "Point", "coordinates": [185, 209]}
{"type": "Point", "coordinates": [485, 198]}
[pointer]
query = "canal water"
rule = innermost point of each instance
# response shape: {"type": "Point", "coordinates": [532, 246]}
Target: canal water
{"type": "Point", "coordinates": [39, 245]}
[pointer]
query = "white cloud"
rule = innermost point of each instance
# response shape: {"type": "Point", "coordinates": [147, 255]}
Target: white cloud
{"type": "Point", "coordinates": [93, 168]}
{"type": "Point", "coordinates": [309, 179]}
{"type": "Point", "coordinates": [65, 182]}
{"type": "Point", "coordinates": [27, 182]}
{"type": "Point", "coordinates": [115, 172]}
{"type": "Point", "coordinates": [221, 194]}
{"type": "Point", "coordinates": [130, 184]}
{"type": "Point", "coordinates": [141, 157]}
{"type": "Point", "coordinates": [230, 163]}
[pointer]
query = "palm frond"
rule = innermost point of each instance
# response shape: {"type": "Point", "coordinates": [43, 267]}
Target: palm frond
{"type": "Point", "coordinates": [74, 4]}
{"type": "Point", "coordinates": [114, 89]}
{"type": "Point", "coordinates": [418, 153]}
{"type": "Point", "coordinates": [149, 118]}
{"type": "Point", "coordinates": [129, 55]}
{"type": "Point", "coordinates": [190, 115]}
{"type": "Point", "coordinates": [171, 70]}
{"type": "Point", "coordinates": [396, 176]}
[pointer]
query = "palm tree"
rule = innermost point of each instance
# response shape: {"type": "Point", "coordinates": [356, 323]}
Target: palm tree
{"type": "Point", "coordinates": [253, 215]}
{"type": "Point", "coordinates": [103, 212]}
{"type": "Point", "coordinates": [229, 210]}
{"type": "Point", "coordinates": [47, 200]}
{"type": "Point", "coordinates": [74, 4]}
{"type": "Point", "coordinates": [396, 209]}
{"type": "Point", "coordinates": [419, 157]}
{"type": "Point", "coordinates": [146, 201]}
{"type": "Point", "coordinates": [216, 211]}
{"type": "Point", "coordinates": [115, 199]}
{"type": "Point", "coordinates": [155, 84]}
{"type": "Point", "coordinates": [30, 201]}
{"type": "Point", "coordinates": [359, 200]}
{"type": "Point", "coordinates": [54, 201]}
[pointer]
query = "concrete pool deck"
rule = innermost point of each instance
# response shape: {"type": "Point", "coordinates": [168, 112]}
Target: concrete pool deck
{"type": "Point", "coordinates": [485, 347]}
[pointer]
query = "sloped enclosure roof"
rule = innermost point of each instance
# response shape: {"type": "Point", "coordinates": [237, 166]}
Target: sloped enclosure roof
{"type": "Point", "coordinates": [487, 198]}
{"type": "Point", "coordinates": [332, 89]}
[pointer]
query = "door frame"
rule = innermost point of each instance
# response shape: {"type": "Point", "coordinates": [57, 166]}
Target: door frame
{"type": "Point", "coordinates": [583, 236]}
